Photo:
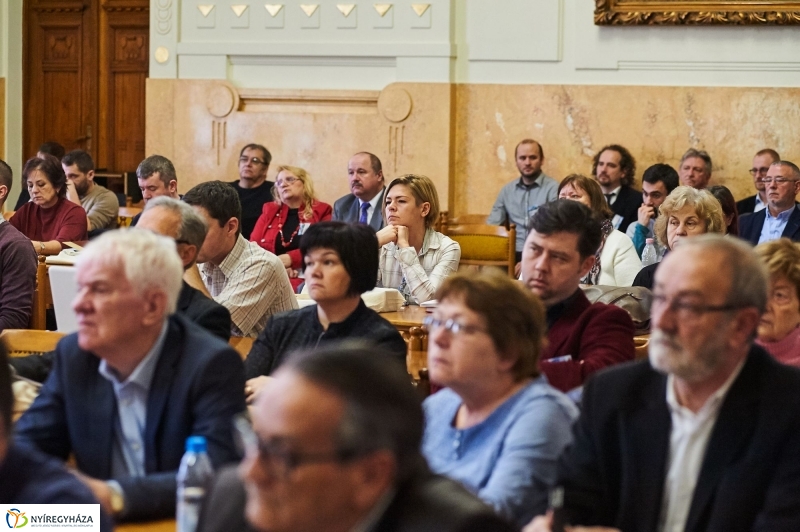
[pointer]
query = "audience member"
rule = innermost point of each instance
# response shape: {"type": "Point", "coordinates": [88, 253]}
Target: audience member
{"type": "Point", "coordinates": [148, 379]}
{"type": "Point", "coordinates": [364, 204]}
{"type": "Point", "coordinates": [341, 263]}
{"type": "Point", "coordinates": [336, 448]}
{"type": "Point", "coordinates": [156, 177]}
{"type": "Point", "coordinates": [101, 205]}
{"type": "Point", "coordinates": [582, 337]}
{"type": "Point", "coordinates": [414, 258]}
{"type": "Point", "coordinates": [48, 148]}
{"type": "Point", "coordinates": [658, 182]}
{"type": "Point", "coordinates": [283, 222]}
{"type": "Point", "coordinates": [695, 169]}
{"type": "Point", "coordinates": [518, 199]}
{"type": "Point", "coordinates": [614, 168]}
{"type": "Point", "coordinates": [28, 476]}
{"type": "Point", "coordinates": [498, 427]}
{"type": "Point", "coordinates": [779, 329]}
{"type": "Point", "coordinates": [49, 219]}
{"type": "Point", "coordinates": [687, 212]}
{"type": "Point", "coordinates": [728, 204]}
{"type": "Point", "coordinates": [704, 436]}
{"type": "Point", "coordinates": [247, 280]}
{"type": "Point", "coordinates": [17, 266]}
{"type": "Point", "coordinates": [615, 261]}
{"type": "Point", "coordinates": [252, 187]}
{"type": "Point", "coordinates": [781, 218]}
{"type": "Point", "coordinates": [761, 164]}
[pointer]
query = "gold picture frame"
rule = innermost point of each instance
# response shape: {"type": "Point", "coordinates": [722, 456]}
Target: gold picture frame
{"type": "Point", "coordinates": [696, 12]}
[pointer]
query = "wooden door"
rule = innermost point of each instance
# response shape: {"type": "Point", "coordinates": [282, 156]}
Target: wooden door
{"type": "Point", "coordinates": [85, 62]}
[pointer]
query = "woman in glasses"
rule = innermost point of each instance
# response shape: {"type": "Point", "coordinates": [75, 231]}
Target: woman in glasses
{"type": "Point", "coordinates": [414, 258]}
{"type": "Point", "coordinates": [498, 427]}
{"type": "Point", "coordinates": [779, 330]}
{"type": "Point", "coordinates": [282, 223]}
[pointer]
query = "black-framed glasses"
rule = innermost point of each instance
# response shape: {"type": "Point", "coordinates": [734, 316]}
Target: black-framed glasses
{"type": "Point", "coordinates": [244, 159]}
{"type": "Point", "coordinates": [276, 455]}
{"type": "Point", "coordinates": [762, 170]}
{"type": "Point", "coordinates": [687, 309]}
{"type": "Point", "coordinates": [451, 325]}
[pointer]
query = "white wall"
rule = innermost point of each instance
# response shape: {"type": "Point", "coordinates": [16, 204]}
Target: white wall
{"type": "Point", "coordinates": [11, 70]}
{"type": "Point", "coordinates": [463, 41]}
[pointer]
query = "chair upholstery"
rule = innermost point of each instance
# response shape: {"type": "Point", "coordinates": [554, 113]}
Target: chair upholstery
{"type": "Point", "coordinates": [24, 342]}
{"type": "Point", "coordinates": [485, 245]}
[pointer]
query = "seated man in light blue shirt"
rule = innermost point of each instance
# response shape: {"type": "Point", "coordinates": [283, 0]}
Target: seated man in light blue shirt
{"type": "Point", "coordinates": [135, 381]}
{"type": "Point", "coordinates": [657, 183]}
{"type": "Point", "coordinates": [781, 218]}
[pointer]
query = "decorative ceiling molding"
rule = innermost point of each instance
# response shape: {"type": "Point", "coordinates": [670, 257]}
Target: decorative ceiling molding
{"type": "Point", "coordinates": [696, 13]}
{"type": "Point", "coordinates": [420, 9]}
{"type": "Point", "coordinates": [205, 9]}
{"type": "Point", "coordinates": [309, 9]}
{"type": "Point", "coordinates": [382, 9]}
{"type": "Point", "coordinates": [273, 9]}
{"type": "Point", "coordinates": [345, 9]}
{"type": "Point", "coordinates": [238, 9]}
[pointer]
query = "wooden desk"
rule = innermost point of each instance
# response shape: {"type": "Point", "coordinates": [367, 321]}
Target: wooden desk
{"type": "Point", "coordinates": [408, 321]}
{"type": "Point", "coordinates": [167, 525]}
{"type": "Point", "coordinates": [126, 215]}
{"type": "Point", "coordinates": [406, 318]}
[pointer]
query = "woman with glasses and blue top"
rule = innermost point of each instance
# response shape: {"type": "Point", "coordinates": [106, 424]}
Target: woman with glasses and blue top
{"type": "Point", "coordinates": [282, 223]}
{"type": "Point", "coordinates": [498, 427]}
{"type": "Point", "coordinates": [414, 258]}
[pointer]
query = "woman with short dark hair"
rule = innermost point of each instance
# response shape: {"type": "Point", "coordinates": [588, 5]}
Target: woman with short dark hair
{"type": "Point", "coordinates": [341, 263]}
{"type": "Point", "coordinates": [49, 219]}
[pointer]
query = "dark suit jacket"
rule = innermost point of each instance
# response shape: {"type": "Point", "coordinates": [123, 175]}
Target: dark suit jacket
{"type": "Point", "coordinates": [205, 312]}
{"type": "Point", "coordinates": [627, 205]}
{"type": "Point", "coordinates": [613, 474]}
{"type": "Point", "coordinates": [596, 335]}
{"type": "Point", "coordinates": [746, 206]}
{"type": "Point", "coordinates": [346, 209]}
{"type": "Point", "coordinates": [427, 503]}
{"type": "Point", "coordinates": [197, 387]}
{"type": "Point", "coordinates": [750, 226]}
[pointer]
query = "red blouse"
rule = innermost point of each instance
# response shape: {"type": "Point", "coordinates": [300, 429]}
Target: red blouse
{"type": "Point", "coordinates": [64, 222]}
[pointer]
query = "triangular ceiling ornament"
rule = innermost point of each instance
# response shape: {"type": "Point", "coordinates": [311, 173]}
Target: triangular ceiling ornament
{"type": "Point", "coordinates": [205, 9]}
{"type": "Point", "coordinates": [273, 9]}
{"type": "Point", "coordinates": [420, 9]}
{"type": "Point", "coordinates": [346, 9]}
{"type": "Point", "coordinates": [309, 9]}
{"type": "Point", "coordinates": [239, 9]}
{"type": "Point", "coordinates": [382, 9]}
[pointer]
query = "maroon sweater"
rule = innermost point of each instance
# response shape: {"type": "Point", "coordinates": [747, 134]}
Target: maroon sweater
{"type": "Point", "coordinates": [65, 222]}
{"type": "Point", "coordinates": [595, 335]}
{"type": "Point", "coordinates": [17, 278]}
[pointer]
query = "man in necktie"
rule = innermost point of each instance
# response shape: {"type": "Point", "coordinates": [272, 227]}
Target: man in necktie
{"type": "Point", "coordinates": [364, 204]}
{"type": "Point", "coordinates": [364, 210]}
{"type": "Point", "coordinates": [614, 169]}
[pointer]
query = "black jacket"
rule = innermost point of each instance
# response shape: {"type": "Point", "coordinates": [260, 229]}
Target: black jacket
{"type": "Point", "coordinates": [750, 226]}
{"type": "Point", "coordinates": [298, 329]}
{"type": "Point", "coordinates": [627, 205]}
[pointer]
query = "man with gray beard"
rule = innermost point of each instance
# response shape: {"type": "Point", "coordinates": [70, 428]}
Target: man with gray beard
{"type": "Point", "coordinates": [703, 436]}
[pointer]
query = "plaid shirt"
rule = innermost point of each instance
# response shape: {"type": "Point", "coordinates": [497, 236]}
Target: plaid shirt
{"type": "Point", "coordinates": [252, 284]}
{"type": "Point", "coordinates": [418, 276]}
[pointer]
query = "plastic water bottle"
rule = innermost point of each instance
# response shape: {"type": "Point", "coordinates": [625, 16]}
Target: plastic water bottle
{"type": "Point", "coordinates": [649, 254]}
{"type": "Point", "coordinates": [194, 476]}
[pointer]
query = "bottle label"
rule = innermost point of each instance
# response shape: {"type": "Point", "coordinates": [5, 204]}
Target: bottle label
{"type": "Point", "coordinates": [190, 500]}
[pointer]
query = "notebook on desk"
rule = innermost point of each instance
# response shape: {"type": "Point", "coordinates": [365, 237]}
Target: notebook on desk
{"type": "Point", "coordinates": [64, 289]}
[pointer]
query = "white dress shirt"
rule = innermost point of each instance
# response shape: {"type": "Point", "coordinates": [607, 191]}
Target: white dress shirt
{"type": "Point", "coordinates": [687, 448]}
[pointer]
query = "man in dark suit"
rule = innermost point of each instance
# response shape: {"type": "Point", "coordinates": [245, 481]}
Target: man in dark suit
{"type": "Point", "coordinates": [135, 381]}
{"type": "Point", "coordinates": [614, 168]}
{"type": "Point", "coordinates": [761, 163]}
{"type": "Point", "coordinates": [703, 437]}
{"type": "Point", "coordinates": [582, 337]}
{"type": "Point", "coordinates": [781, 218]}
{"type": "Point", "coordinates": [365, 202]}
{"type": "Point", "coordinates": [335, 447]}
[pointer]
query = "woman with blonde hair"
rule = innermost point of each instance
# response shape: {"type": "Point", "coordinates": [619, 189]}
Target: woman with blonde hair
{"type": "Point", "coordinates": [616, 260]}
{"type": "Point", "coordinates": [686, 212]}
{"type": "Point", "coordinates": [414, 258]}
{"type": "Point", "coordinates": [282, 223]}
{"type": "Point", "coordinates": [779, 330]}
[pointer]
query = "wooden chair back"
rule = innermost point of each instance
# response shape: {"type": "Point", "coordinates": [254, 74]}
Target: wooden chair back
{"type": "Point", "coordinates": [485, 245]}
{"type": "Point", "coordinates": [242, 345]}
{"type": "Point", "coordinates": [640, 345]}
{"type": "Point", "coordinates": [468, 219]}
{"type": "Point", "coordinates": [24, 342]}
{"type": "Point", "coordinates": [42, 297]}
{"type": "Point", "coordinates": [8, 214]}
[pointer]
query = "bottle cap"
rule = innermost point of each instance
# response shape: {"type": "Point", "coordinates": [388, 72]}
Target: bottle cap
{"type": "Point", "coordinates": [196, 444]}
{"type": "Point", "coordinates": [649, 241]}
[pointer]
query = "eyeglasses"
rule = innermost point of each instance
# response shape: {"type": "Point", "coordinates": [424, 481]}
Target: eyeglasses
{"type": "Point", "coordinates": [288, 180]}
{"type": "Point", "coordinates": [762, 170]}
{"type": "Point", "coordinates": [276, 456]}
{"type": "Point", "coordinates": [687, 310]}
{"type": "Point", "coordinates": [451, 325]}
{"type": "Point", "coordinates": [244, 159]}
{"type": "Point", "coordinates": [777, 180]}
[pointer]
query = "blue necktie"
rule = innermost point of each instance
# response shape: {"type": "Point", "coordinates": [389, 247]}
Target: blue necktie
{"type": "Point", "coordinates": [363, 218]}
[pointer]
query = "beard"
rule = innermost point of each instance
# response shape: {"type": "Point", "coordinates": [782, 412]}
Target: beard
{"type": "Point", "coordinates": [668, 356]}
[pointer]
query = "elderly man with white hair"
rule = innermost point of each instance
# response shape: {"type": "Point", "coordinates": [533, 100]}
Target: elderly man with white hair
{"type": "Point", "coordinates": [135, 381]}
